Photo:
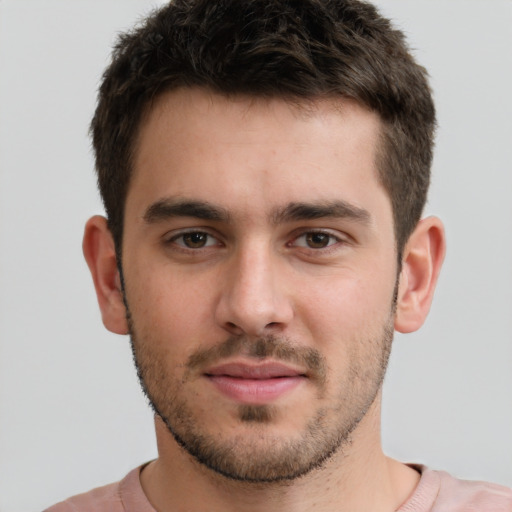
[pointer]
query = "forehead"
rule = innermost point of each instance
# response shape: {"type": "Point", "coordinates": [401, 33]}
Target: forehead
{"type": "Point", "coordinates": [187, 111]}
{"type": "Point", "coordinates": [194, 142]}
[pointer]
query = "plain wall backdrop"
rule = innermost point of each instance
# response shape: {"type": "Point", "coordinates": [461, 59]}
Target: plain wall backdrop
{"type": "Point", "coordinates": [71, 413]}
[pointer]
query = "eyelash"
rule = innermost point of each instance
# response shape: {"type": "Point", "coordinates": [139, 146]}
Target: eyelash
{"type": "Point", "coordinates": [333, 240]}
{"type": "Point", "coordinates": [174, 240]}
{"type": "Point", "coordinates": [211, 241]}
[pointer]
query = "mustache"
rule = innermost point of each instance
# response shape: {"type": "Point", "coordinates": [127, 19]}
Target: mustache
{"type": "Point", "coordinates": [264, 347]}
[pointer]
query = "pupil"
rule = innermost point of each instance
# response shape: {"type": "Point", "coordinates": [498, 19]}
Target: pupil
{"type": "Point", "coordinates": [195, 239]}
{"type": "Point", "coordinates": [318, 240]}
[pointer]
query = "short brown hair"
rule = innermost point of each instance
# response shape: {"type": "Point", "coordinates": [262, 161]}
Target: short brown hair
{"type": "Point", "coordinates": [299, 49]}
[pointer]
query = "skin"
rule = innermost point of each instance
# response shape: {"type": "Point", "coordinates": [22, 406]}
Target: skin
{"type": "Point", "coordinates": [255, 270]}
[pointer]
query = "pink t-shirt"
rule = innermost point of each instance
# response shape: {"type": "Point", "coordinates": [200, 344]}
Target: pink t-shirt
{"type": "Point", "coordinates": [437, 491]}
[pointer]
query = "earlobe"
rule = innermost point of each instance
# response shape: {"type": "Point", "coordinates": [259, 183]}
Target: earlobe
{"type": "Point", "coordinates": [421, 263]}
{"type": "Point", "coordinates": [99, 251]}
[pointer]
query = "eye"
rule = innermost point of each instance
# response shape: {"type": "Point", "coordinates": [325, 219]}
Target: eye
{"type": "Point", "coordinates": [315, 240]}
{"type": "Point", "coordinates": [194, 240]}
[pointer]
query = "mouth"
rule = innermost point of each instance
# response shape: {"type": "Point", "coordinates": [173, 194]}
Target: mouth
{"type": "Point", "coordinates": [254, 384]}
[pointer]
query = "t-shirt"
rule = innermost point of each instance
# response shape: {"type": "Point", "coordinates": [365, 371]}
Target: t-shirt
{"type": "Point", "coordinates": [437, 491]}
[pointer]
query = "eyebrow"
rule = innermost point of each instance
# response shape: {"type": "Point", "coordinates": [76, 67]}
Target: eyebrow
{"type": "Point", "coordinates": [168, 208]}
{"type": "Point", "coordinates": [318, 210]}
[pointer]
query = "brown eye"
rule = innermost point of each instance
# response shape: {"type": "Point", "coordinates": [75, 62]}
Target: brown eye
{"type": "Point", "coordinates": [191, 241]}
{"type": "Point", "coordinates": [195, 240]}
{"type": "Point", "coordinates": [318, 240]}
{"type": "Point", "coordinates": [315, 240]}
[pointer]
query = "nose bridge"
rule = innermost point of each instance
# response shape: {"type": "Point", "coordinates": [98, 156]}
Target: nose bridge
{"type": "Point", "coordinates": [254, 298]}
{"type": "Point", "coordinates": [255, 275]}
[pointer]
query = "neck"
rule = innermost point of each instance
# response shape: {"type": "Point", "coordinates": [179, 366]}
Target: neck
{"type": "Point", "coordinates": [357, 478]}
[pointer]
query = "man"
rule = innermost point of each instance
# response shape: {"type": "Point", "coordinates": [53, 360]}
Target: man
{"type": "Point", "coordinates": [264, 167]}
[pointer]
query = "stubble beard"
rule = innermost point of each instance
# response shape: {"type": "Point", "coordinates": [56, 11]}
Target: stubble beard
{"type": "Point", "coordinates": [262, 457]}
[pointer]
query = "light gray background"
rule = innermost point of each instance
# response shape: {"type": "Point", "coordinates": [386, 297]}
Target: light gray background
{"type": "Point", "coordinates": [71, 414]}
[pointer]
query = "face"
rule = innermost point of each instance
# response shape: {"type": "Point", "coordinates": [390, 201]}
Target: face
{"type": "Point", "coordinates": [259, 271]}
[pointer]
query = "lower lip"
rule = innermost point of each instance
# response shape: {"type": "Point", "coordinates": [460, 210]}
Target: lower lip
{"type": "Point", "coordinates": [254, 391]}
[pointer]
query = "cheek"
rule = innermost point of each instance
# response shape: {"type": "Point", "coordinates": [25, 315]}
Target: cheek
{"type": "Point", "coordinates": [348, 308]}
{"type": "Point", "coordinates": [169, 309]}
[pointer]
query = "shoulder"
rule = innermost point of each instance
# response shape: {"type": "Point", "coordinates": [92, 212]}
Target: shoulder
{"type": "Point", "coordinates": [120, 496]}
{"type": "Point", "coordinates": [455, 494]}
{"type": "Point", "coordinates": [106, 497]}
{"type": "Point", "coordinates": [438, 491]}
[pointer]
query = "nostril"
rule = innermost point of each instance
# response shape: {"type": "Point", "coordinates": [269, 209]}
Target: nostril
{"type": "Point", "coordinates": [233, 328]}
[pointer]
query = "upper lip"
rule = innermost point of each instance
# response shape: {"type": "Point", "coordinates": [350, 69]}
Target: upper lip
{"type": "Point", "coordinates": [264, 370]}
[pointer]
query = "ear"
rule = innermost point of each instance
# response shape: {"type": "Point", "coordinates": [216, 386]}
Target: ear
{"type": "Point", "coordinates": [421, 263]}
{"type": "Point", "coordinates": [99, 251]}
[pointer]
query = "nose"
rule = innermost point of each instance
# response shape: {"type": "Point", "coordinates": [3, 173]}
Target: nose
{"type": "Point", "coordinates": [254, 300]}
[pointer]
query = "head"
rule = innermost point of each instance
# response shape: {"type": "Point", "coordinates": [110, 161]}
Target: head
{"type": "Point", "coordinates": [298, 51]}
{"type": "Point", "coordinates": [263, 163]}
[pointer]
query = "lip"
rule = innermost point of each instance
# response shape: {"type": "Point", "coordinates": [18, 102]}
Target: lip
{"type": "Point", "coordinates": [254, 383]}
